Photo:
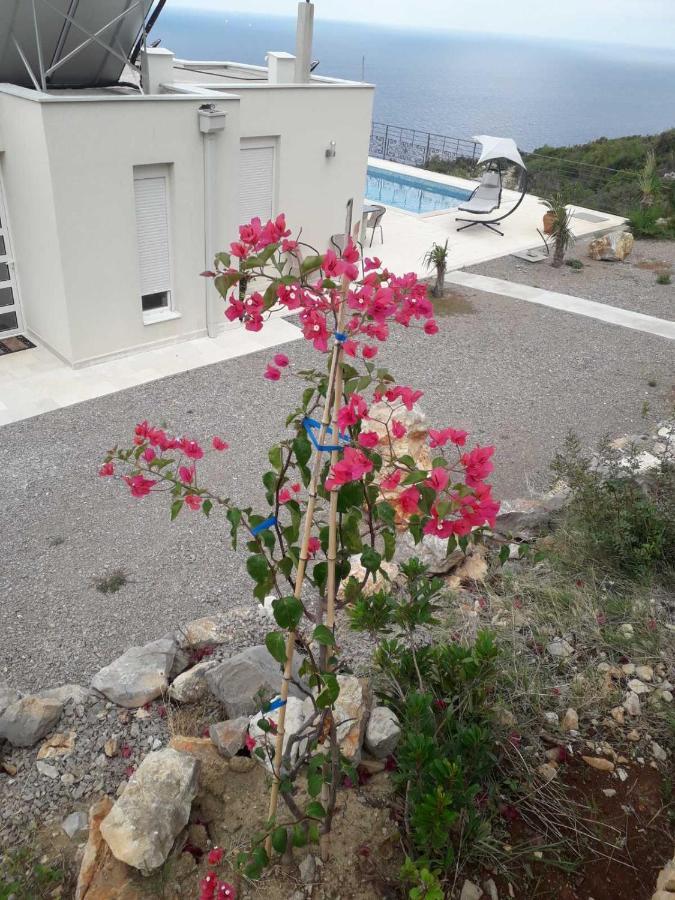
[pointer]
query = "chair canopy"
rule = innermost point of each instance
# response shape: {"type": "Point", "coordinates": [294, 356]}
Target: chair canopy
{"type": "Point", "coordinates": [495, 148]}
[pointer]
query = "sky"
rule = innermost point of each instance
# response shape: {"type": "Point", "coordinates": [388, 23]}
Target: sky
{"type": "Point", "coordinates": [637, 22]}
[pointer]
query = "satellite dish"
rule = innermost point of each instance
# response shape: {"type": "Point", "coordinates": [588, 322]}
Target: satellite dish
{"type": "Point", "coordinates": [69, 43]}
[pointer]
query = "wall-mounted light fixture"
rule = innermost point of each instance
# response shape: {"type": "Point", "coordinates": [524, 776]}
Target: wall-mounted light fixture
{"type": "Point", "coordinates": [330, 150]}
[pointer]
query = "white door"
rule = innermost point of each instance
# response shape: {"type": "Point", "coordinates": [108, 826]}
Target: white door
{"type": "Point", "coordinates": [256, 180]}
{"type": "Point", "coordinates": [10, 315]}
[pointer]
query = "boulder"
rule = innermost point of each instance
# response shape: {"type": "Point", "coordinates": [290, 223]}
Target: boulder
{"type": "Point", "coordinates": [470, 891]}
{"type": "Point", "coordinates": [143, 824]}
{"type": "Point", "coordinates": [74, 693]}
{"type": "Point", "coordinates": [8, 696]}
{"type": "Point", "coordinates": [382, 732]}
{"type": "Point", "coordinates": [191, 686]}
{"type": "Point", "coordinates": [138, 676]}
{"type": "Point", "coordinates": [205, 632]}
{"type": "Point", "coordinates": [95, 848]}
{"type": "Point", "coordinates": [213, 768]}
{"type": "Point", "coordinates": [229, 737]}
{"type": "Point", "coordinates": [248, 679]}
{"type": "Point", "coordinates": [29, 719]}
{"type": "Point", "coordinates": [102, 877]}
{"type": "Point", "coordinates": [432, 551]}
{"type": "Point", "coordinates": [526, 518]}
{"type": "Point", "coordinates": [613, 247]}
{"type": "Point", "coordinates": [373, 584]}
{"type": "Point", "coordinates": [352, 709]}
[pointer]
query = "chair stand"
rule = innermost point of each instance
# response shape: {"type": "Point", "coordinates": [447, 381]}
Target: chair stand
{"type": "Point", "coordinates": [490, 225]}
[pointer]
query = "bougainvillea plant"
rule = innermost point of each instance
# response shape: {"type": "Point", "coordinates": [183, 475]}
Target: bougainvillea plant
{"type": "Point", "coordinates": [340, 487]}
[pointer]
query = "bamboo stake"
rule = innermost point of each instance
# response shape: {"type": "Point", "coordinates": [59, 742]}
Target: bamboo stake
{"type": "Point", "coordinates": [299, 581]}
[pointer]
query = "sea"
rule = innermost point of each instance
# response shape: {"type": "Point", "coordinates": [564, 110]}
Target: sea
{"type": "Point", "coordinates": [540, 92]}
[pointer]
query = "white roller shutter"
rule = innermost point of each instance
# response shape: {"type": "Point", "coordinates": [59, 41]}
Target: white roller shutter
{"type": "Point", "coordinates": [152, 228]}
{"type": "Point", "coordinates": [256, 182]}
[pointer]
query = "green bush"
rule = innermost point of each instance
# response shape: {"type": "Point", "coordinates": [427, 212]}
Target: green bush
{"type": "Point", "coordinates": [663, 278]}
{"type": "Point", "coordinates": [617, 518]}
{"type": "Point", "coordinates": [575, 264]}
{"type": "Point", "coordinates": [445, 759]}
{"type": "Point", "coordinates": [643, 222]}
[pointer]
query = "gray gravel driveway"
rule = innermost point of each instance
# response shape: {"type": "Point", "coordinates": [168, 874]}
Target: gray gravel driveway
{"type": "Point", "coordinates": [512, 373]}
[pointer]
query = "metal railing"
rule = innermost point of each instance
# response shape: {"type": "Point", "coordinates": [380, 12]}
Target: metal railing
{"type": "Point", "coordinates": [418, 148]}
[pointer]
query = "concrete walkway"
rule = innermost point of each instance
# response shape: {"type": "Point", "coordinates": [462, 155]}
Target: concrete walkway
{"type": "Point", "coordinates": [565, 302]}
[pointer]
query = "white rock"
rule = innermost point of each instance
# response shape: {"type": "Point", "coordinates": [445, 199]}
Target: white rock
{"type": "Point", "coordinates": [191, 686]}
{"type": "Point", "coordinates": [626, 630]}
{"type": "Point", "coordinates": [47, 769]}
{"type": "Point", "coordinates": [239, 682]}
{"type": "Point", "coordinates": [470, 891]}
{"type": "Point", "coordinates": [73, 692]}
{"type": "Point", "coordinates": [622, 773]}
{"type": "Point", "coordinates": [229, 736]}
{"type": "Point", "coordinates": [75, 824]}
{"type": "Point", "coordinates": [296, 715]}
{"type": "Point", "coordinates": [138, 676]}
{"type": "Point", "coordinates": [550, 718]}
{"type": "Point", "coordinates": [632, 704]}
{"type": "Point", "coordinates": [628, 668]}
{"type": "Point", "coordinates": [27, 720]}
{"type": "Point", "coordinates": [382, 732]}
{"type": "Point", "coordinates": [665, 696]}
{"type": "Point", "coordinates": [637, 687]}
{"type": "Point", "coordinates": [570, 720]}
{"type": "Point", "coordinates": [658, 752]}
{"type": "Point", "coordinates": [7, 696]}
{"type": "Point", "coordinates": [143, 824]}
{"type": "Point", "coordinates": [560, 648]}
{"type": "Point", "coordinates": [491, 889]}
{"type": "Point", "coordinates": [609, 792]}
{"type": "Point", "coordinates": [644, 673]}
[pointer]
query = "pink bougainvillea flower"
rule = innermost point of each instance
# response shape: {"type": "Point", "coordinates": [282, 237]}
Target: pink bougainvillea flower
{"type": "Point", "coordinates": [398, 429]}
{"type": "Point", "coordinates": [191, 449]}
{"type": "Point", "coordinates": [249, 743]}
{"type": "Point", "coordinates": [441, 528]}
{"type": "Point", "coordinates": [438, 480]}
{"type": "Point", "coordinates": [139, 486]}
{"type": "Point", "coordinates": [219, 444]}
{"type": "Point", "coordinates": [193, 501]}
{"type": "Point", "coordinates": [129, 771]}
{"type": "Point", "coordinates": [313, 546]}
{"type": "Point", "coordinates": [149, 454]}
{"type": "Point", "coordinates": [251, 232]}
{"type": "Point", "coordinates": [207, 886]}
{"type": "Point", "coordinates": [369, 351]}
{"type": "Point", "coordinates": [281, 360]}
{"type": "Point", "coordinates": [353, 412]}
{"type": "Point", "coordinates": [225, 891]}
{"type": "Point", "coordinates": [106, 470]}
{"type": "Point", "coordinates": [272, 374]}
{"type": "Point", "coordinates": [284, 495]}
{"type": "Point", "coordinates": [406, 394]}
{"type": "Point", "coordinates": [350, 348]}
{"type": "Point", "coordinates": [369, 439]}
{"type": "Point", "coordinates": [391, 482]}
{"type": "Point", "coordinates": [441, 438]}
{"type": "Point", "coordinates": [186, 474]}
{"type": "Point", "coordinates": [430, 327]}
{"type": "Point", "coordinates": [409, 500]}
{"type": "Point", "coordinates": [239, 250]}
{"type": "Point", "coordinates": [288, 246]}
{"type": "Point", "coordinates": [215, 856]}
{"type": "Point", "coordinates": [296, 488]}
{"type": "Point", "coordinates": [125, 751]}
{"type": "Point", "coordinates": [371, 264]}
{"type": "Point", "coordinates": [477, 464]}
{"type": "Point", "coordinates": [351, 467]}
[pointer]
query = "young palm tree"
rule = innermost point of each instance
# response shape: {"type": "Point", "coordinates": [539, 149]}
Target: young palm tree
{"type": "Point", "coordinates": [561, 228]}
{"type": "Point", "coordinates": [437, 258]}
{"type": "Point", "coordinates": [648, 180]}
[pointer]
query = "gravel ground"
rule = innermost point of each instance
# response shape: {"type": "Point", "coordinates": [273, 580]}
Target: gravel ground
{"type": "Point", "coordinates": [625, 285]}
{"type": "Point", "coordinates": [512, 373]}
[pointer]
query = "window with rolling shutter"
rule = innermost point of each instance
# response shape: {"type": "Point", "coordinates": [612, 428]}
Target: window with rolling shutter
{"type": "Point", "coordinates": [256, 181]}
{"type": "Point", "coordinates": [153, 238]}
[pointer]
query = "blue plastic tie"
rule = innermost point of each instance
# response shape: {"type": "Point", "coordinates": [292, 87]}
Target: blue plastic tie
{"type": "Point", "coordinates": [311, 425]}
{"type": "Point", "coordinates": [277, 704]}
{"type": "Point", "coordinates": [263, 526]}
{"type": "Point", "coordinates": [340, 337]}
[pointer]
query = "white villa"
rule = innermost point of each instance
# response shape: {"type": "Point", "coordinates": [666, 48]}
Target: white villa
{"type": "Point", "coordinates": [114, 197]}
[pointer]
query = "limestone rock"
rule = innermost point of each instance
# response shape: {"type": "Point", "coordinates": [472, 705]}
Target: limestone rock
{"type": "Point", "coordinates": [191, 686]}
{"type": "Point", "coordinates": [474, 567]}
{"type": "Point", "coordinates": [431, 551]}
{"type": "Point", "coordinates": [112, 747]}
{"type": "Point", "coordinates": [638, 687]}
{"type": "Point", "coordinates": [143, 824]}
{"type": "Point", "coordinates": [570, 720]}
{"type": "Point", "coordinates": [60, 744]}
{"type": "Point", "coordinates": [75, 825]}
{"type": "Point", "coordinates": [525, 518]}
{"type": "Point", "coordinates": [204, 632]}
{"type": "Point", "coordinates": [138, 676]}
{"type": "Point", "coordinates": [597, 762]}
{"type": "Point", "coordinates": [644, 673]}
{"type": "Point", "coordinates": [632, 704]}
{"type": "Point", "coordinates": [551, 718]}
{"type": "Point", "coordinates": [382, 732]}
{"type": "Point", "coordinates": [351, 715]}
{"type": "Point", "coordinates": [613, 247]}
{"type": "Point", "coordinates": [8, 696]}
{"type": "Point", "coordinates": [618, 714]}
{"type": "Point", "coordinates": [547, 771]}
{"type": "Point", "coordinates": [95, 848]}
{"type": "Point", "coordinates": [297, 714]}
{"type": "Point", "coordinates": [213, 768]}
{"type": "Point", "coordinates": [658, 752]}
{"type": "Point", "coordinates": [244, 681]}
{"type": "Point", "coordinates": [559, 648]}
{"type": "Point", "coordinates": [470, 891]}
{"type": "Point", "coordinates": [666, 879]}
{"type": "Point", "coordinates": [27, 720]}
{"type": "Point", "coordinates": [373, 584]}
{"type": "Point", "coordinates": [229, 736]}
{"type": "Point", "coordinates": [75, 693]}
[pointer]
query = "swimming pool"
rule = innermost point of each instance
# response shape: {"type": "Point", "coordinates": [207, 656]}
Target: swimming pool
{"type": "Point", "coordinates": [413, 194]}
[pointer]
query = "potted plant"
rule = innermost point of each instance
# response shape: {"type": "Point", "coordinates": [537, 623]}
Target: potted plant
{"type": "Point", "coordinates": [437, 258]}
{"type": "Point", "coordinates": [557, 224]}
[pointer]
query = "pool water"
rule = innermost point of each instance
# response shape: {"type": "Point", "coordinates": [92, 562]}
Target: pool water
{"type": "Point", "coordinates": [411, 193]}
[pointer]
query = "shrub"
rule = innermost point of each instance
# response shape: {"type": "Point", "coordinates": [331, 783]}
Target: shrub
{"type": "Point", "coordinates": [445, 759]}
{"type": "Point", "coordinates": [643, 222]}
{"type": "Point", "coordinates": [575, 264]}
{"type": "Point", "coordinates": [617, 518]}
{"type": "Point", "coordinates": [663, 278]}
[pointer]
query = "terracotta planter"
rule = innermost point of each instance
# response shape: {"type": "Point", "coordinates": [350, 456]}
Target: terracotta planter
{"type": "Point", "coordinates": [549, 220]}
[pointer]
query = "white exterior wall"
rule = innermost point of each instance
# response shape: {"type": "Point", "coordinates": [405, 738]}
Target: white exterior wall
{"type": "Point", "coordinates": [68, 165]}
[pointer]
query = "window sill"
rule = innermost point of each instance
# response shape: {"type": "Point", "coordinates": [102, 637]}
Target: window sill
{"type": "Point", "coordinates": [160, 315]}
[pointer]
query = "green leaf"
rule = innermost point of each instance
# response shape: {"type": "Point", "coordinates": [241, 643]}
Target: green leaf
{"type": "Point", "coordinates": [313, 834]}
{"type": "Point", "coordinates": [314, 784]}
{"type": "Point", "coordinates": [330, 692]}
{"type": "Point", "coordinates": [224, 259]}
{"type": "Point", "coordinates": [234, 518]}
{"type": "Point", "coordinates": [315, 810]}
{"type": "Point", "coordinates": [223, 283]}
{"type": "Point", "coordinates": [415, 477]}
{"type": "Point", "coordinates": [370, 560]}
{"type": "Point", "coordinates": [504, 554]}
{"type": "Point", "coordinates": [276, 644]}
{"type": "Point", "coordinates": [350, 495]}
{"type": "Point", "coordinates": [311, 264]}
{"type": "Point", "coordinates": [256, 566]}
{"type": "Point", "coordinates": [279, 839]}
{"type": "Point", "coordinates": [389, 539]}
{"type": "Point", "coordinates": [207, 506]}
{"type": "Point", "coordinates": [299, 836]}
{"type": "Point", "coordinates": [302, 448]}
{"type": "Point", "coordinates": [274, 457]}
{"type": "Point", "coordinates": [176, 507]}
{"type": "Point", "coordinates": [287, 612]}
{"type": "Point", "coordinates": [320, 574]}
{"type": "Point", "coordinates": [323, 635]}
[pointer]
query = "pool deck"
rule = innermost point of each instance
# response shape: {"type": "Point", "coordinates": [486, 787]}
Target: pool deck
{"type": "Point", "coordinates": [408, 236]}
